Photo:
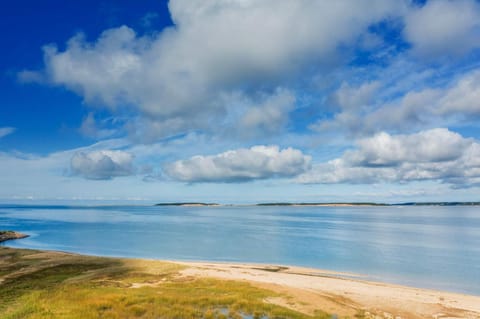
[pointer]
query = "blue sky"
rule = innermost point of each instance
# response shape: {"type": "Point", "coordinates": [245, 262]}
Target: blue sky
{"type": "Point", "coordinates": [240, 101]}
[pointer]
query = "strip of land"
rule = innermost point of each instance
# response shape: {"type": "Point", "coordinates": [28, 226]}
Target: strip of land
{"type": "Point", "coordinates": [10, 235]}
{"type": "Point", "coordinates": [327, 204]}
{"type": "Point", "coordinates": [38, 284]}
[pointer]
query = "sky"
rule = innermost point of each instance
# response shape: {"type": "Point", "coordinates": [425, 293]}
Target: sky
{"type": "Point", "coordinates": [240, 101]}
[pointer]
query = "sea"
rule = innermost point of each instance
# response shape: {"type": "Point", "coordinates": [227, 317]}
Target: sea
{"type": "Point", "coordinates": [435, 247]}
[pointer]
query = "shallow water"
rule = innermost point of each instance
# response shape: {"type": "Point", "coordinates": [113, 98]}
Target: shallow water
{"type": "Point", "coordinates": [430, 247]}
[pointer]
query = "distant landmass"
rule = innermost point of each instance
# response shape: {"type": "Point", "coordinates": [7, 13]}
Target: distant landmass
{"type": "Point", "coordinates": [321, 204]}
{"type": "Point", "coordinates": [374, 204]}
{"type": "Point", "coordinates": [327, 204]}
{"type": "Point", "coordinates": [187, 204]}
{"type": "Point", "coordinates": [439, 204]}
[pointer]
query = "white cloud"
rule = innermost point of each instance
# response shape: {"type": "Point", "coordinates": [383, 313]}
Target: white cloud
{"type": "Point", "coordinates": [103, 164]}
{"type": "Point", "coordinates": [350, 104]}
{"type": "Point", "coordinates": [350, 97]}
{"type": "Point", "coordinates": [457, 103]}
{"type": "Point", "coordinates": [102, 72]}
{"type": "Point", "coordinates": [437, 154]}
{"type": "Point", "coordinates": [179, 77]}
{"type": "Point", "coordinates": [269, 116]}
{"type": "Point", "coordinates": [463, 98]}
{"type": "Point", "coordinates": [258, 162]}
{"type": "Point", "coordinates": [49, 177]}
{"type": "Point", "coordinates": [444, 27]}
{"type": "Point", "coordinates": [436, 145]}
{"type": "Point", "coordinates": [4, 131]}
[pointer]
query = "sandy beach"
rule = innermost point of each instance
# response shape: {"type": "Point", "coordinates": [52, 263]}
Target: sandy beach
{"type": "Point", "coordinates": [302, 290]}
{"type": "Point", "coordinates": [309, 289]}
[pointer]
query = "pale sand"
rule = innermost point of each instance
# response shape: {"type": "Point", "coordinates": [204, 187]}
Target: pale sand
{"type": "Point", "coordinates": [308, 289]}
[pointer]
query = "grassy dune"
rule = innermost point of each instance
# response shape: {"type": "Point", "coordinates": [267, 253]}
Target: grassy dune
{"type": "Point", "coordinates": [35, 284]}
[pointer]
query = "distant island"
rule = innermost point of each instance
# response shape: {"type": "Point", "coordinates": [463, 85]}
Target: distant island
{"type": "Point", "coordinates": [9, 235]}
{"type": "Point", "coordinates": [321, 204]}
{"type": "Point", "coordinates": [334, 204]}
{"type": "Point", "coordinates": [187, 204]}
{"type": "Point", "coordinates": [438, 204]}
{"type": "Point", "coordinates": [374, 204]}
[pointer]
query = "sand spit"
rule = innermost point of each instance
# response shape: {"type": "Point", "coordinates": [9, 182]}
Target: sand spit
{"type": "Point", "coordinates": [10, 235]}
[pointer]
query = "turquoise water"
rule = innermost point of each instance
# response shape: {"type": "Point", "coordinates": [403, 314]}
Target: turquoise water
{"type": "Point", "coordinates": [430, 247]}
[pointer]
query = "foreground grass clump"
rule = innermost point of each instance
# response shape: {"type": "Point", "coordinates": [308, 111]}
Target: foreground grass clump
{"type": "Point", "coordinates": [37, 284]}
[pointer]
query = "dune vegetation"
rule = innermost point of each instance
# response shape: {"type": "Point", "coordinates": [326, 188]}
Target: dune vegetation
{"type": "Point", "coordinates": [36, 284]}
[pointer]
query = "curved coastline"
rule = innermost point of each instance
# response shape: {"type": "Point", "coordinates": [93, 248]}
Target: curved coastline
{"type": "Point", "coordinates": [340, 292]}
{"type": "Point", "coordinates": [310, 289]}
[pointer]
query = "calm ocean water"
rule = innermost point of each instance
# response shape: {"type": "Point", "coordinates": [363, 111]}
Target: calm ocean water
{"type": "Point", "coordinates": [429, 247]}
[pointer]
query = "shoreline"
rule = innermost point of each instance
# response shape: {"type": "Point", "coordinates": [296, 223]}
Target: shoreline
{"type": "Point", "coordinates": [343, 293]}
{"type": "Point", "coordinates": [312, 270]}
{"type": "Point", "coordinates": [310, 289]}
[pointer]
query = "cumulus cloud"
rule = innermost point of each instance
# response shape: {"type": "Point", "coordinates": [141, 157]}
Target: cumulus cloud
{"type": "Point", "coordinates": [179, 77]}
{"type": "Point", "coordinates": [257, 162]}
{"type": "Point", "coordinates": [444, 27]}
{"type": "Point", "coordinates": [102, 164]}
{"type": "Point", "coordinates": [436, 145]}
{"type": "Point", "coordinates": [437, 154]}
{"type": "Point", "coordinates": [4, 131]}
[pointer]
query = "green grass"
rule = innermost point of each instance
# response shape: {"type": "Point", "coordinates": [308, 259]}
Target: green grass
{"type": "Point", "coordinates": [38, 285]}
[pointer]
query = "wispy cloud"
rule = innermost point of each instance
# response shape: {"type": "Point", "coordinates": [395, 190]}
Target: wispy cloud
{"type": "Point", "coordinates": [457, 103]}
{"type": "Point", "coordinates": [4, 131]}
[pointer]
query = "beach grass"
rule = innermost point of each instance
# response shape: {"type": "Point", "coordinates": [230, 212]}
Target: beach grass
{"type": "Point", "coordinates": [35, 284]}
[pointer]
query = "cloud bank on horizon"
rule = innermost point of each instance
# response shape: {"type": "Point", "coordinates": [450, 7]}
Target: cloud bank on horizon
{"type": "Point", "coordinates": [279, 94]}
